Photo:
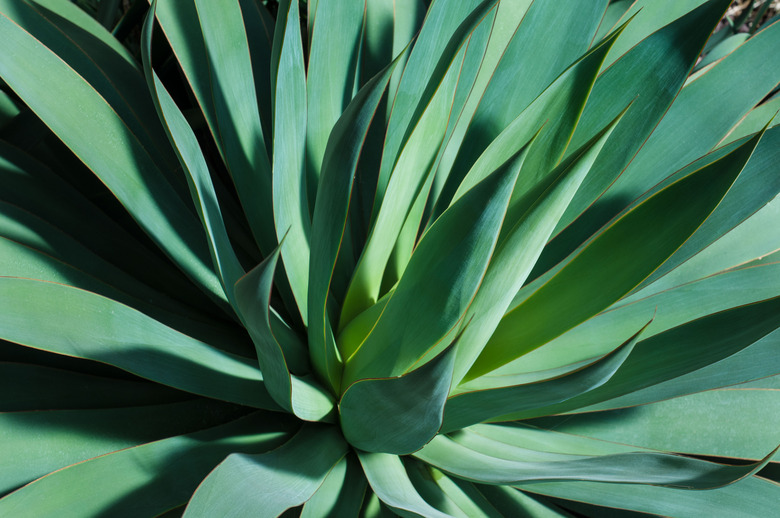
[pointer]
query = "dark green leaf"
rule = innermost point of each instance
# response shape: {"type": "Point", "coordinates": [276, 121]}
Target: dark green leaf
{"type": "Point", "coordinates": [474, 404]}
{"type": "Point", "coordinates": [601, 273]}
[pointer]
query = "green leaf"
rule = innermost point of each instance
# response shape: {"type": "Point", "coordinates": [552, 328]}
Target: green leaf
{"type": "Point", "coordinates": [189, 153]}
{"type": "Point", "coordinates": [291, 202]}
{"type": "Point", "coordinates": [650, 16]}
{"type": "Point", "coordinates": [330, 217]}
{"type": "Point", "coordinates": [81, 24]}
{"type": "Point", "coordinates": [442, 21]}
{"type": "Point", "coordinates": [390, 26]}
{"type": "Point", "coordinates": [519, 440]}
{"type": "Point", "coordinates": [474, 403]}
{"type": "Point", "coordinates": [679, 351]}
{"type": "Point", "coordinates": [751, 242]}
{"type": "Point", "coordinates": [93, 327]}
{"type": "Point", "coordinates": [698, 424]}
{"type": "Point", "coordinates": [616, 11]}
{"type": "Point", "coordinates": [701, 115]}
{"type": "Point", "coordinates": [539, 59]}
{"type": "Point", "coordinates": [239, 132]}
{"type": "Point", "coordinates": [388, 478]}
{"type": "Point", "coordinates": [380, 45]}
{"type": "Point", "coordinates": [511, 502]}
{"type": "Point", "coordinates": [757, 361]}
{"type": "Point", "coordinates": [648, 75]}
{"type": "Point", "coordinates": [532, 222]}
{"type": "Point", "coordinates": [144, 480]}
{"type": "Point", "coordinates": [452, 496]}
{"type": "Point", "coordinates": [397, 415]}
{"type": "Point", "coordinates": [565, 98]}
{"type": "Point", "coordinates": [600, 273]}
{"type": "Point", "coordinates": [269, 483]}
{"type": "Point", "coordinates": [65, 437]}
{"type": "Point", "coordinates": [750, 497]}
{"type": "Point", "coordinates": [34, 249]}
{"type": "Point", "coordinates": [342, 492]}
{"type": "Point", "coordinates": [722, 49]}
{"type": "Point", "coordinates": [408, 176]}
{"type": "Point", "coordinates": [300, 395]}
{"type": "Point", "coordinates": [757, 185]}
{"type": "Point", "coordinates": [108, 67]}
{"type": "Point", "coordinates": [396, 226]}
{"type": "Point", "coordinates": [123, 168]}
{"type": "Point", "coordinates": [763, 114]}
{"type": "Point", "coordinates": [334, 41]}
{"type": "Point", "coordinates": [210, 44]}
{"type": "Point", "coordinates": [440, 282]}
{"type": "Point", "coordinates": [659, 469]}
{"type": "Point", "coordinates": [33, 187]}
{"type": "Point", "coordinates": [673, 305]}
{"type": "Point", "coordinates": [259, 26]}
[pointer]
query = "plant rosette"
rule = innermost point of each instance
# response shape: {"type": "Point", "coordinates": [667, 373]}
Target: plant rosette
{"type": "Point", "coordinates": [450, 258]}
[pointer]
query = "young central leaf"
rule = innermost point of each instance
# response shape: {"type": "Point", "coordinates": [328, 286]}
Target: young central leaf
{"type": "Point", "coordinates": [398, 415]}
{"type": "Point", "coordinates": [439, 283]}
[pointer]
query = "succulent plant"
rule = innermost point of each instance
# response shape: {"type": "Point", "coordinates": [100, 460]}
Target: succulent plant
{"type": "Point", "coordinates": [374, 258]}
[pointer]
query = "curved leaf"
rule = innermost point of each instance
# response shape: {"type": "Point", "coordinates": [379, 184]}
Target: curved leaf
{"type": "Point", "coordinates": [106, 144]}
{"type": "Point", "coordinates": [703, 424]}
{"type": "Point", "coordinates": [600, 273]}
{"type": "Point", "coordinates": [474, 405]}
{"type": "Point", "coordinates": [190, 155]}
{"type": "Point", "coordinates": [649, 75]}
{"type": "Point", "coordinates": [659, 469]}
{"type": "Point", "coordinates": [330, 218]}
{"type": "Point", "coordinates": [756, 187]}
{"type": "Point", "coordinates": [452, 496]}
{"type": "Point", "coordinates": [532, 222]}
{"type": "Point", "coordinates": [750, 497]}
{"type": "Point", "coordinates": [342, 492]}
{"type": "Point", "coordinates": [145, 480]}
{"type": "Point", "coordinates": [409, 175]}
{"type": "Point", "coordinates": [93, 327]}
{"type": "Point", "coordinates": [34, 249]}
{"type": "Point", "coordinates": [674, 306]}
{"type": "Point", "coordinates": [753, 363]}
{"type": "Point", "coordinates": [269, 483]}
{"type": "Point", "coordinates": [30, 185]}
{"type": "Point", "coordinates": [397, 415]}
{"type": "Point", "coordinates": [108, 67]}
{"type": "Point", "coordinates": [701, 115]}
{"type": "Point", "coordinates": [442, 21]}
{"type": "Point", "coordinates": [65, 437]}
{"type": "Point", "coordinates": [511, 502]}
{"type": "Point", "coordinates": [388, 478]}
{"type": "Point", "coordinates": [679, 351]}
{"type": "Point", "coordinates": [290, 198]}
{"type": "Point", "coordinates": [301, 395]}
{"type": "Point", "coordinates": [224, 62]}
{"type": "Point", "coordinates": [538, 59]}
{"type": "Point", "coordinates": [440, 282]}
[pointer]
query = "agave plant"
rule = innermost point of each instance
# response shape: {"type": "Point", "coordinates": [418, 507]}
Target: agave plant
{"type": "Point", "coordinates": [372, 258]}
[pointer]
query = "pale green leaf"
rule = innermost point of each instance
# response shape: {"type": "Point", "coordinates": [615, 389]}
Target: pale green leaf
{"type": "Point", "coordinates": [267, 484]}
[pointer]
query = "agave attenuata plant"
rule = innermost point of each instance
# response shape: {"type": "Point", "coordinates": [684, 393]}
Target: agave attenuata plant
{"type": "Point", "coordinates": [364, 258]}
